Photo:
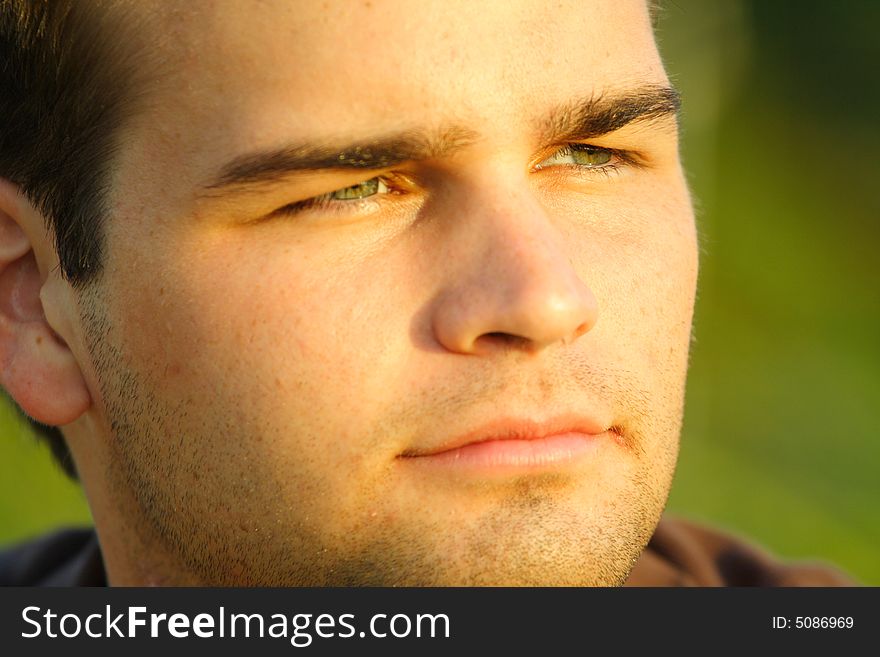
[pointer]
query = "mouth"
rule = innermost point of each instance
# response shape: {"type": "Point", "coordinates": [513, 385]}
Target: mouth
{"type": "Point", "coordinates": [516, 446]}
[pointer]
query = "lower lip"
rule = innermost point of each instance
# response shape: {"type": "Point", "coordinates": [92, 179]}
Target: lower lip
{"type": "Point", "coordinates": [515, 455]}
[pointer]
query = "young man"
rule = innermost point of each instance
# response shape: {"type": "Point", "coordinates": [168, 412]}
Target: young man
{"type": "Point", "coordinates": [353, 293]}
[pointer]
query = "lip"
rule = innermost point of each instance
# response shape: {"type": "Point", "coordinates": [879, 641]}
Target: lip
{"type": "Point", "coordinates": [516, 445]}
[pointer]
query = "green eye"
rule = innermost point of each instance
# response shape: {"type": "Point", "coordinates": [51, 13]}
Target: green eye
{"type": "Point", "coordinates": [581, 155]}
{"type": "Point", "coordinates": [361, 190]}
{"type": "Point", "coordinates": [589, 156]}
{"type": "Point", "coordinates": [339, 199]}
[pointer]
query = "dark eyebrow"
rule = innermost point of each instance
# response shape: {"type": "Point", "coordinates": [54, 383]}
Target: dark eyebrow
{"type": "Point", "coordinates": [604, 113]}
{"type": "Point", "coordinates": [577, 120]}
{"type": "Point", "coordinates": [378, 153]}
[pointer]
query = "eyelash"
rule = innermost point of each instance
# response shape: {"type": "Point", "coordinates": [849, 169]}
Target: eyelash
{"type": "Point", "coordinates": [325, 203]}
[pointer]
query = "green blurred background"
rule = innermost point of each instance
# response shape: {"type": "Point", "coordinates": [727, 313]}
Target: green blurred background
{"type": "Point", "coordinates": [781, 138]}
{"type": "Point", "coordinates": [781, 135]}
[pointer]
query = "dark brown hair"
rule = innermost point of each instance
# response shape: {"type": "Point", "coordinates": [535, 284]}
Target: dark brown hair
{"type": "Point", "coordinates": [66, 84]}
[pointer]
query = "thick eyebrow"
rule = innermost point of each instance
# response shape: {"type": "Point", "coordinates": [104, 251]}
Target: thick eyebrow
{"type": "Point", "coordinates": [377, 153]}
{"type": "Point", "coordinates": [577, 120]}
{"type": "Point", "coordinates": [604, 113]}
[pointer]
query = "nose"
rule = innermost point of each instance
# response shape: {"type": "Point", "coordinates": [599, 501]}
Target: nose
{"type": "Point", "coordinates": [513, 285]}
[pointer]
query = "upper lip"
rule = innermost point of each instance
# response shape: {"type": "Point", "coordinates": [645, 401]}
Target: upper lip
{"type": "Point", "coordinates": [515, 429]}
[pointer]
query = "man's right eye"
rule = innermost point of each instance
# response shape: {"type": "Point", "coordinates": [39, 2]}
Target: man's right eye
{"type": "Point", "coordinates": [360, 190]}
{"type": "Point", "coordinates": [339, 198]}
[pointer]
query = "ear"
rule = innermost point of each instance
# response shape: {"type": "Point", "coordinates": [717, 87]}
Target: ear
{"type": "Point", "coordinates": [37, 368]}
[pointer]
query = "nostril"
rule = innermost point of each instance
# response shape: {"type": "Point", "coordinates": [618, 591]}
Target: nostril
{"type": "Point", "coordinates": [501, 339]}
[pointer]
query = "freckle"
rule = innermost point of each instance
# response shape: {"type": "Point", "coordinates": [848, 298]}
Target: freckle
{"type": "Point", "coordinates": [161, 291]}
{"type": "Point", "coordinates": [39, 339]}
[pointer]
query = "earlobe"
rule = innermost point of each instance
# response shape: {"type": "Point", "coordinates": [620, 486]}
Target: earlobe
{"type": "Point", "coordinates": [37, 368]}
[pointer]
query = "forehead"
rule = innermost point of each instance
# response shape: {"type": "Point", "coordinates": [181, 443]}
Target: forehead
{"type": "Point", "coordinates": [240, 76]}
{"type": "Point", "coordinates": [397, 55]}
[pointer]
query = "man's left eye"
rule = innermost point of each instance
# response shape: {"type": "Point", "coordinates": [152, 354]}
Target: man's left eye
{"type": "Point", "coordinates": [582, 155]}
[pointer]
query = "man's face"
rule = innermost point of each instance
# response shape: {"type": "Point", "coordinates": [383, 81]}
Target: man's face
{"type": "Point", "coordinates": [275, 377]}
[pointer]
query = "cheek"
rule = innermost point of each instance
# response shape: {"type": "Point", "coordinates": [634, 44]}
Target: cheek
{"type": "Point", "coordinates": [641, 262]}
{"type": "Point", "coordinates": [260, 325]}
{"type": "Point", "coordinates": [274, 368]}
{"type": "Point", "coordinates": [666, 266]}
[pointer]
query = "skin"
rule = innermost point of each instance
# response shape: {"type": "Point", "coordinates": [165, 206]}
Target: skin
{"type": "Point", "coordinates": [237, 388]}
